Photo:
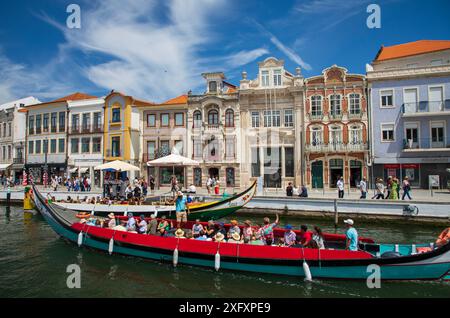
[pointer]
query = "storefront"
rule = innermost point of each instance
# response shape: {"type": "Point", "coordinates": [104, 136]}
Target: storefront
{"type": "Point", "coordinates": [412, 171]}
{"type": "Point", "coordinates": [37, 171]}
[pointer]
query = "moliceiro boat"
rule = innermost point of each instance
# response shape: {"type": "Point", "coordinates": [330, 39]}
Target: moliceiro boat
{"type": "Point", "coordinates": [204, 211]}
{"type": "Point", "coordinates": [395, 262]}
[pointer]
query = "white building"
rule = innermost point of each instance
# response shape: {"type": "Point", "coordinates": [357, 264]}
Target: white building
{"type": "Point", "coordinates": [12, 136]}
{"type": "Point", "coordinates": [85, 135]}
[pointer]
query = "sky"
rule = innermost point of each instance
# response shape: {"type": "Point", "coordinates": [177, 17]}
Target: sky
{"type": "Point", "coordinates": [156, 50]}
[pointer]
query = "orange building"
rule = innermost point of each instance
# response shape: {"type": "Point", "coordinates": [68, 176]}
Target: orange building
{"type": "Point", "coordinates": [335, 128]}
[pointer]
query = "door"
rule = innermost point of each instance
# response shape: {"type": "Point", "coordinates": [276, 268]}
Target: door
{"type": "Point", "coordinates": [336, 171]}
{"type": "Point", "coordinates": [355, 173]}
{"type": "Point", "coordinates": [410, 100]}
{"type": "Point", "coordinates": [435, 98]}
{"type": "Point", "coordinates": [317, 174]}
{"type": "Point", "coordinates": [272, 167]}
{"type": "Point", "coordinates": [437, 135]}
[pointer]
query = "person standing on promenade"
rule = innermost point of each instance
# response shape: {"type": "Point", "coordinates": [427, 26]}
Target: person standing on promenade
{"type": "Point", "coordinates": [363, 188]}
{"type": "Point", "coordinates": [406, 188]}
{"type": "Point", "coordinates": [393, 195]}
{"type": "Point", "coordinates": [379, 188]}
{"type": "Point", "coordinates": [388, 187]}
{"type": "Point", "coordinates": [289, 190]}
{"type": "Point", "coordinates": [340, 186]}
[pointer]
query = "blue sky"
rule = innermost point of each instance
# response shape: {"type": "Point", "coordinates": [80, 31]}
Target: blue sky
{"type": "Point", "coordinates": [156, 50]}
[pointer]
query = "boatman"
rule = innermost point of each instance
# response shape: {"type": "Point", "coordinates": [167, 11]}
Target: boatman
{"type": "Point", "coordinates": [351, 242]}
{"type": "Point", "coordinates": [180, 208]}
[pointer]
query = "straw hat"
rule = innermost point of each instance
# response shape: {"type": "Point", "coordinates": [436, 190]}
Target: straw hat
{"type": "Point", "coordinates": [111, 216]}
{"type": "Point", "coordinates": [219, 237]}
{"type": "Point", "coordinates": [82, 221]}
{"type": "Point", "coordinates": [179, 233]}
{"type": "Point", "coordinates": [234, 222]}
{"type": "Point", "coordinates": [235, 236]}
{"type": "Point", "coordinates": [248, 222]}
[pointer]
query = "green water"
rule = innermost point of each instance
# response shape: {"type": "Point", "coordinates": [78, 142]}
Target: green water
{"type": "Point", "coordinates": [33, 262]}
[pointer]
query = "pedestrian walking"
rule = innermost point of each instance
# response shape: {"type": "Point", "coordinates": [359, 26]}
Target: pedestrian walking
{"type": "Point", "coordinates": [379, 185]}
{"type": "Point", "coordinates": [406, 188]}
{"type": "Point", "coordinates": [363, 188]}
{"type": "Point", "coordinates": [340, 186]}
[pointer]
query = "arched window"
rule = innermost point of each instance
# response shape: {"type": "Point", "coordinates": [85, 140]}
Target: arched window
{"type": "Point", "coordinates": [316, 105]}
{"type": "Point", "coordinates": [229, 118]}
{"type": "Point", "coordinates": [355, 104]}
{"type": "Point", "coordinates": [197, 119]}
{"type": "Point", "coordinates": [213, 117]}
{"type": "Point", "coordinates": [355, 135]}
{"type": "Point", "coordinates": [335, 136]}
{"type": "Point", "coordinates": [335, 105]}
{"type": "Point", "coordinates": [316, 136]}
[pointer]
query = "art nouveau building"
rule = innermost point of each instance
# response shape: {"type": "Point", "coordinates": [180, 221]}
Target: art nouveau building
{"type": "Point", "coordinates": [336, 130]}
{"type": "Point", "coordinates": [163, 128]}
{"type": "Point", "coordinates": [271, 118]}
{"type": "Point", "coordinates": [214, 137]}
{"type": "Point", "coordinates": [85, 135]}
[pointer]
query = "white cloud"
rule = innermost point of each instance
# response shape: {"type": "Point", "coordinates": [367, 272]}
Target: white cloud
{"type": "Point", "coordinates": [245, 57]}
{"type": "Point", "coordinates": [290, 53]}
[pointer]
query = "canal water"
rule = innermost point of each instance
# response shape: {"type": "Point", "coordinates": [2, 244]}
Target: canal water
{"type": "Point", "coordinates": [33, 263]}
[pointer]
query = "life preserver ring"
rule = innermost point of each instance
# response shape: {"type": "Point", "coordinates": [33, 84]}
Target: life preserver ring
{"type": "Point", "coordinates": [83, 215]}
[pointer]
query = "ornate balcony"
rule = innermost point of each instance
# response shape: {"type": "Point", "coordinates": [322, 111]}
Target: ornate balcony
{"type": "Point", "coordinates": [336, 147]}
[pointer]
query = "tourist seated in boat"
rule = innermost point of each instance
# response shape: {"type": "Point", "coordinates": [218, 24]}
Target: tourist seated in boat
{"type": "Point", "coordinates": [247, 231]}
{"type": "Point", "coordinates": [142, 225]}
{"type": "Point", "coordinates": [210, 229]}
{"type": "Point", "coordinates": [234, 228]}
{"type": "Point", "coordinates": [304, 237]}
{"type": "Point", "coordinates": [131, 223]}
{"type": "Point", "coordinates": [189, 199]}
{"type": "Point", "coordinates": [197, 229]}
{"type": "Point", "coordinates": [317, 240]}
{"type": "Point", "coordinates": [351, 240]}
{"type": "Point", "coordinates": [219, 237]}
{"type": "Point", "coordinates": [443, 238]}
{"type": "Point", "coordinates": [235, 238]}
{"type": "Point", "coordinates": [290, 237]}
{"type": "Point", "coordinates": [152, 225]}
{"type": "Point", "coordinates": [121, 227]}
{"type": "Point", "coordinates": [256, 239]}
{"type": "Point", "coordinates": [163, 226]}
{"type": "Point", "coordinates": [112, 221]}
{"type": "Point", "coordinates": [220, 228]}
{"type": "Point", "coordinates": [267, 230]}
{"type": "Point", "coordinates": [179, 233]}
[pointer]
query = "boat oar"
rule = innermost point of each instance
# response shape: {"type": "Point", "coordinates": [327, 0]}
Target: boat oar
{"type": "Point", "coordinates": [306, 270]}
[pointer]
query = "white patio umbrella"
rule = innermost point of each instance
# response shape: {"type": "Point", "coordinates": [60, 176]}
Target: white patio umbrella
{"type": "Point", "coordinates": [117, 165]}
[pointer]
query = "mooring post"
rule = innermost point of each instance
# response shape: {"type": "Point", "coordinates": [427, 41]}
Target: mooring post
{"type": "Point", "coordinates": [336, 214]}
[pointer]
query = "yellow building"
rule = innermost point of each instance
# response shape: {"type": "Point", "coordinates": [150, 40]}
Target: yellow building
{"type": "Point", "coordinates": [121, 129]}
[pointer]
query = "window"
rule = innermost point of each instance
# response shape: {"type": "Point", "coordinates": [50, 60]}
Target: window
{"type": "Point", "coordinates": [74, 142]}
{"type": "Point", "coordinates": [289, 161]}
{"type": "Point", "coordinates": [335, 105]}
{"type": "Point", "coordinates": [31, 125]}
{"type": "Point", "coordinates": [229, 147]}
{"type": "Point", "coordinates": [151, 150]}
{"type": "Point", "coordinates": [316, 136]}
{"type": "Point", "coordinates": [277, 78]}
{"type": "Point", "coordinates": [197, 148]}
{"type": "Point", "coordinates": [212, 87]}
{"type": "Point", "coordinates": [355, 135]}
{"type": "Point", "coordinates": [387, 132]}
{"type": "Point", "coordinates": [179, 146]}
{"type": "Point", "coordinates": [355, 104]}
{"type": "Point", "coordinates": [75, 122]}
{"type": "Point", "coordinates": [436, 62]}
{"type": "Point", "coordinates": [85, 145]}
{"type": "Point", "coordinates": [30, 147]}
{"type": "Point", "coordinates": [97, 121]}
{"type": "Point", "coordinates": [115, 146]}
{"type": "Point", "coordinates": [256, 164]}
{"type": "Point", "coordinates": [255, 119]}
{"type": "Point", "coordinates": [151, 120]}
{"type": "Point", "coordinates": [62, 121]}
{"type": "Point", "coordinates": [45, 123]}
{"type": "Point", "coordinates": [265, 78]}
{"type": "Point", "coordinates": [411, 135]}
{"type": "Point", "coordinates": [9, 151]}
{"type": "Point", "coordinates": [38, 124]}
{"type": "Point", "coordinates": [213, 117]}
{"type": "Point", "coordinates": [229, 172]}
{"type": "Point", "coordinates": [96, 144]}
{"type": "Point", "coordinates": [229, 118]}
{"type": "Point", "coordinates": [53, 146]}
{"type": "Point", "coordinates": [4, 152]}
{"type": "Point", "coordinates": [198, 177]}
{"type": "Point", "coordinates": [53, 122]}
{"type": "Point", "coordinates": [335, 135]}
{"type": "Point", "coordinates": [61, 145]}
{"type": "Point", "coordinates": [316, 105]}
{"type": "Point", "coordinates": [45, 146]}
{"type": "Point", "coordinates": [272, 118]}
{"type": "Point", "coordinates": [165, 120]}
{"type": "Point", "coordinates": [387, 98]}
{"type": "Point", "coordinates": [288, 118]}
{"type": "Point", "coordinates": [197, 119]}
{"type": "Point", "coordinates": [86, 123]}
{"type": "Point", "coordinates": [37, 150]}
{"type": "Point", "coordinates": [436, 99]}
{"type": "Point", "coordinates": [115, 118]}
{"type": "Point", "coordinates": [9, 129]}
{"type": "Point", "coordinates": [437, 135]}
{"type": "Point", "coordinates": [165, 148]}
{"type": "Point", "coordinates": [179, 119]}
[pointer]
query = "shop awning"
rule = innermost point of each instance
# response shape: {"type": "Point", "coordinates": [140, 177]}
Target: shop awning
{"type": "Point", "coordinates": [73, 170]}
{"type": "Point", "coordinates": [4, 166]}
{"type": "Point", "coordinates": [83, 170]}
